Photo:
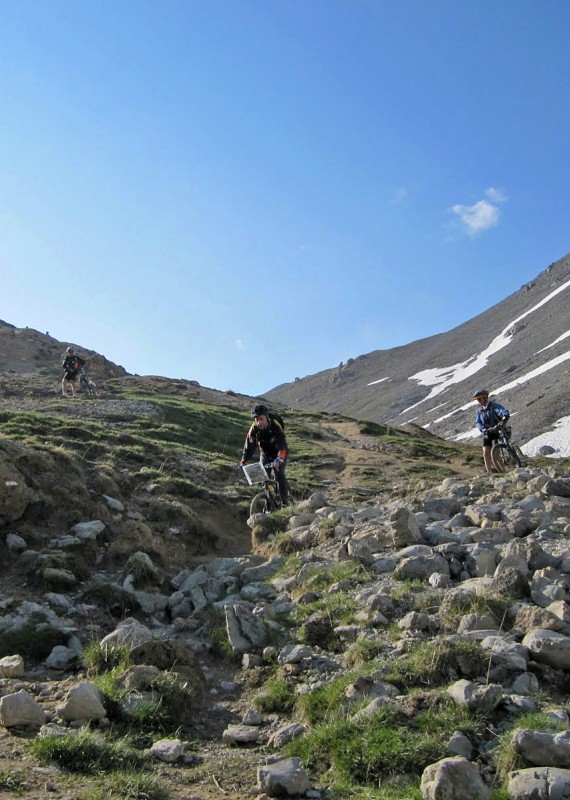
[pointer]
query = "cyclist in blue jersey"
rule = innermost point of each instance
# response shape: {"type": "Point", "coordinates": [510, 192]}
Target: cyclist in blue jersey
{"type": "Point", "coordinates": [490, 414]}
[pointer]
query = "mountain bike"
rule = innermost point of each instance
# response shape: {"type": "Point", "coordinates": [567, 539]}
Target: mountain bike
{"type": "Point", "coordinates": [86, 384]}
{"type": "Point", "coordinates": [269, 499]}
{"type": "Point", "coordinates": [512, 454]}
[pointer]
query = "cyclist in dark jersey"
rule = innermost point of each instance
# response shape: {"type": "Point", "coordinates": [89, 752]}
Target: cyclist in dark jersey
{"type": "Point", "coordinates": [72, 363]}
{"type": "Point", "coordinates": [268, 434]}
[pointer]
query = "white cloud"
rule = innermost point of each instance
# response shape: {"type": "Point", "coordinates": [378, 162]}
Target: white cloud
{"type": "Point", "coordinates": [483, 214]}
{"type": "Point", "coordinates": [479, 217]}
{"type": "Point", "coordinates": [496, 195]}
{"type": "Point", "coordinates": [239, 343]}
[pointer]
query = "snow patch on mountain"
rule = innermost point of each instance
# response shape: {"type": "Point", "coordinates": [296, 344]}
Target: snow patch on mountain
{"type": "Point", "coordinates": [558, 438]}
{"type": "Point", "coordinates": [441, 378]}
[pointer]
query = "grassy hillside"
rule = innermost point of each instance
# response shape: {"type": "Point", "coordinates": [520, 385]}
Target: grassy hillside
{"type": "Point", "coordinates": [167, 449]}
{"type": "Point", "coordinates": [189, 437]}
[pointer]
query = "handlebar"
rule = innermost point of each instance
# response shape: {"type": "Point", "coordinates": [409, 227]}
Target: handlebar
{"type": "Point", "coordinates": [500, 426]}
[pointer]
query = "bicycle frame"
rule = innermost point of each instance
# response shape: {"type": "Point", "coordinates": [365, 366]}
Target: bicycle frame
{"type": "Point", "coordinates": [86, 383]}
{"type": "Point", "coordinates": [269, 499]}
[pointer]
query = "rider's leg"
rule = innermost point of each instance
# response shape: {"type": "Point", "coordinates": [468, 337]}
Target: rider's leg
{"type": "Point", "coordinates": [282, 483]}
{"type": "Point", "coordinates": [64, 387]}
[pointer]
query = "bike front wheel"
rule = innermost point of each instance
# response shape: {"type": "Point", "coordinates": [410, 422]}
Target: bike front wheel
{"type": "Point", "coordinates": [499, 457]}
{"type": "Point", "coordinates": [513, 455]}
{"type": "Point", "coordinates": [259, 505]}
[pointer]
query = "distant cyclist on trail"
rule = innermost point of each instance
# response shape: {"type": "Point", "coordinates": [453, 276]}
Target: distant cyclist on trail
{"type": "Point", "coordinates": [267, 433]}
{"type": "Point", "coordinates": [72, 363]}
{"type": "Point", "coordinates": [490, 414]}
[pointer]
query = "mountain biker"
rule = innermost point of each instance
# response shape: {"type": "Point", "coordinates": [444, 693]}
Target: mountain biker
{"type": "Point", "coordinates": [489, 414]}
{"type": "Point", "coordinates": [267, 434]}
{"type": "Point", "coordinates": [72, 363]}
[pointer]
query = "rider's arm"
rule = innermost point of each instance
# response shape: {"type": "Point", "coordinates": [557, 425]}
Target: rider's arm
{"type": "Point", "coordinates": [479, 420]}
{"type": "Point", "coordinates": [281, 443]}
{"type": "Point", "coordinates": [249, 446]}
{"type": "Point", "coordinates": [500, 411]}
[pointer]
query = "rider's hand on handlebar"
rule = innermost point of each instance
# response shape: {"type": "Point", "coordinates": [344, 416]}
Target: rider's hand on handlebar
{"type": "Point", "coordinates": [277, 463]}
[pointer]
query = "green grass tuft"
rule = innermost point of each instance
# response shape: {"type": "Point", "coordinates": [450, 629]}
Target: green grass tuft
{"type": "Point", "coordinates": [87, 753]}
{"type": "Point", "coordinates": [100, 658]}
{"type": "Point", "coordinates": [132, 786]}
{"type": "Point", "coordinates": [371, 750]}
{"type": "Point", "coordinates": [277, 697]}
{"type": "Point", "coordinates": [430, 664]}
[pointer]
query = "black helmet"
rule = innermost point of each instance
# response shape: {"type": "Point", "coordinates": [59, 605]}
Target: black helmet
{"type": "Point", "coordinates": [70, 350]}
{"type": "Point", "coordinates": [259, 410]}
{"type": "Point", "coordinates": [481, 393]}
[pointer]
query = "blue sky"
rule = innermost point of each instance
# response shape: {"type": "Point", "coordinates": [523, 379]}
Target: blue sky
{"type": "Point", "coordinates": [240, 192]}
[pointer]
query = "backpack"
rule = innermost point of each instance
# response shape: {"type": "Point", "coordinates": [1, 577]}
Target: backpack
{"type": "Point", "coordinates": [73, 363]}
{"type": "Point", "coordinates": [277, 418]}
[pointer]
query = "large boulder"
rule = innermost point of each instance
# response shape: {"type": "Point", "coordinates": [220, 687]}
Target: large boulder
{"type": "Point", "coordinates": [286, 777]}
{"type": "Point", "coordinates": [14, 492]}
{"type": "Point", "coordinates": [245, 630]}
{"type": "Point", "coordinates": [129, 632]}
{"type": "Point", "coordinates": [543, 749]}
{"type": "Point", "coordinates": [405, 528]}
{"type": "Point", "coordinates": [547, 783]}
{"type": "Point", "coordinates": [21, 710]}
{"type": "Point", "coordinates": [172, 655]}
{"type": "Point", "coordinates": [453, 778]}
{"type": "Point", "coordinates": [549, 647]}
{"type": "Point", "coordinates": [84, 703]}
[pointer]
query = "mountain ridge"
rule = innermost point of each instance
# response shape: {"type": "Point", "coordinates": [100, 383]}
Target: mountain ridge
{"type": "Point", "coordinates": [392, 386]}
{"type": "Point", "coordinates": [516, 348]}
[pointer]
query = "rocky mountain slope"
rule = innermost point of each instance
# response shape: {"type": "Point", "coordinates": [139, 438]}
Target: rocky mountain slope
{"type": "Point", "coordinates": [25, 351]}
{"type": "Point", "coordinates": [400, 631]}
{"type": "Point", "coordinates": [518, 349]}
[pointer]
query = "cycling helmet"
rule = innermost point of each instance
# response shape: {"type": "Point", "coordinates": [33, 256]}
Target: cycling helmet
{"type": "Point", "coordinates": [259, 410]}
{"type": "Point", "coordinates": [481, 393]}
{"type": "Point", "coordinates": [70, 351]}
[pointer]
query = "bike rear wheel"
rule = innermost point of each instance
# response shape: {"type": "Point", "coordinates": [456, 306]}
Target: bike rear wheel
{"type": "Point", "coordinates": [87, 386]}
